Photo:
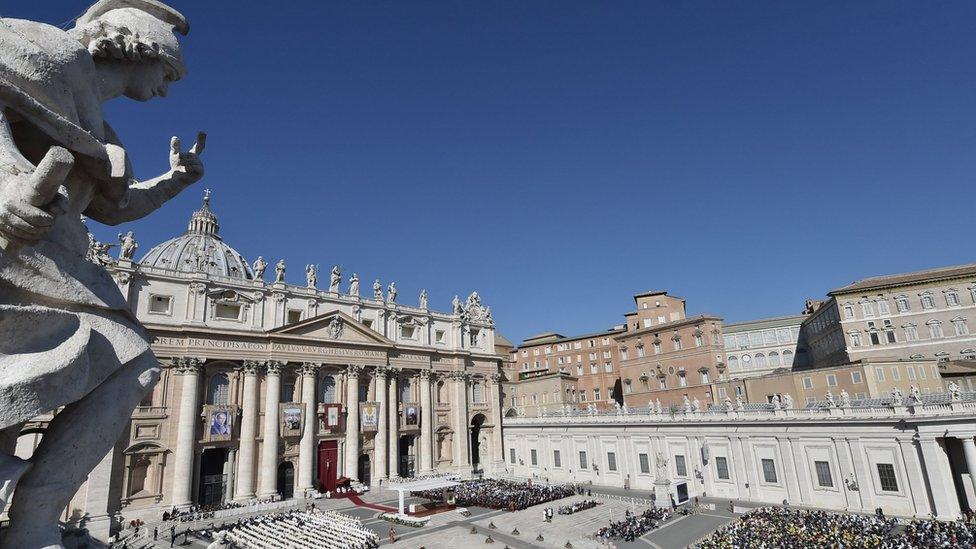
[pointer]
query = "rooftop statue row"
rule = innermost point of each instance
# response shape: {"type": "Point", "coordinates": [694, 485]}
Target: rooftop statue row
{"type": "Point", "coordinates": [201, 249]}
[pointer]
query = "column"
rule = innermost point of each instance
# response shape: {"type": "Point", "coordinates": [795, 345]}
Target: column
{"type": "Point", "coordinates": [862, 474]}
{"type": "Point", "coordinates": [189, 370]}
{"type": "Point", "coordinates": [946, 504]}
{"type": "Point", "coordinates": [916, 480]}
{"type": "Point", "coordinates": [392, 424]}
{"type": "Point", "coordinates": [244, 488]}
{"type": "Point", "coordinates": [495, 394]}
{"type": "Point", "coordinates": [382, 439]}
{"type": "Point", "coordinates": [790, 471]}
{"type": "Point", "coordinates": [306, 447]}
{"type": "Point", "coordinates": [352, 421]}
{"type": "Point", "coordinates": [268, 483]}
{"type": "Point", "coordinates": [230, 468]}
{"type": "Point", "coordinates": [426, 423]}
{"type": "Point", "coordinates": [461, 459]}
{"type": "Point", "coordinates": [969, 448]}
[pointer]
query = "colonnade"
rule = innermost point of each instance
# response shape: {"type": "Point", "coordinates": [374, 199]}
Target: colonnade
{"type": "Point", "coordinates": [257, 477]}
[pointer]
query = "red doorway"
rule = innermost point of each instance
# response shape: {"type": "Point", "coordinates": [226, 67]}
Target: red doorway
{"type": "Point", "coordinates": [328, 465]}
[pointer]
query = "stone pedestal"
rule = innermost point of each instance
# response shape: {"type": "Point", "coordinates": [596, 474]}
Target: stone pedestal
{"type": "Point", "coordinates": [662, 493]}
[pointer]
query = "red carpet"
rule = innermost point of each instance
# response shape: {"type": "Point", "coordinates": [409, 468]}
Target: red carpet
{"type": "Point", "coordinates": [360, 503]}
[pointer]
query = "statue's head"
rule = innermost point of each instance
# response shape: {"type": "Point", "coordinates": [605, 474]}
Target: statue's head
{"type": "Point", "coordinates": [138, 38]}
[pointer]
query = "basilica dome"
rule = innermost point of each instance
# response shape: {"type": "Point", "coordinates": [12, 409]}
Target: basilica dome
{"type": "Point", "coordinates": [200, 249]}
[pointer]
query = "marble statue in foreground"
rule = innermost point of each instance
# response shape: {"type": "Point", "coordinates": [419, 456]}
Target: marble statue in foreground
{"type": "Point", "coordinates": [67, 337]}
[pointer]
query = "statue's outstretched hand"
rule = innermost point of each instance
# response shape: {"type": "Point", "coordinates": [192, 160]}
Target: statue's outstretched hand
{"type": "Point", "coordinates": [187, 166]}
{"type": "Point", "coordinates": [30, 201]}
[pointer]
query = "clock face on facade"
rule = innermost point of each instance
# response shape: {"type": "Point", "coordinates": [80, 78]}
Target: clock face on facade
{"type": "Point", "coordinates": [746, 358]}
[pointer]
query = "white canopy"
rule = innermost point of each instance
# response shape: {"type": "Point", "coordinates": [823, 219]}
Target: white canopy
{"type": "Point", "coordinates": [422, 484]}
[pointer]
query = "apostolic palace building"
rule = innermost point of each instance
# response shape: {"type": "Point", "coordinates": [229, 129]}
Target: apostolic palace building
{"type": "Point", "coordinates": [271, 389]}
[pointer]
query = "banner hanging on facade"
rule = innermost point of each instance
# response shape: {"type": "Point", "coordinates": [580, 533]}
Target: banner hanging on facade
{"type": "Point", "coordinates": [369, 413]}
{"type": "Point", "coordinates": [331, 417]}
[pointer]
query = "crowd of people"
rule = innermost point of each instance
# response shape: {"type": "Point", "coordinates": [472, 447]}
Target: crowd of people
{"type": "Point", "coordinates": [633, 526]}
{"type": "Point", "coordinates": [933, 533]}
{"type": "Point", "coordinates": [502, 494]}
{"type": "Point", "coordinates": [309, 529]}
{"type": "Point", "coordinates": [784, 528]}
{"type": "Point", "coordinates": [577, 507]}
{"type": "Point", "coordinates": [203, 512]}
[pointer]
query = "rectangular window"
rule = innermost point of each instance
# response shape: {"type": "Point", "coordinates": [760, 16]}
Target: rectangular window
{"type": "Point", "coordinates": [623, 354]}
{"type": "Point", "coordinates": [911, 373]}
{"type": "Point", "coordinates": [722, 393]}
{"type": "Point", "coordinates": [647, 323]}
{"type": "Point", "coordinates": [824, 480]}
{"type": "Point", "coordinates": [679, 466]}
{"type": "Point", "coordinates": [645, 464]}
{"type": "Point", "coordinates": [596, 394]}
{"type": "Point", "coordinates": [407, 332]}
{"type": "Point", "coordinates": [160, 304]}
{"type": "Point", "coordinates": [879, 374]}
{"type": "Point", "coordinates": [555, 459]}
{"type": "Point", "coordinates": [582, 458]}
{"type": "Point", "coordinates": [921, 372]}
{"type": "Point", "coordinates": [233, 312]}
{"type": "Point", "coordinates": [611, 461]}
{"type": "Point", "coordinates": [677, 345]}
{"type": "Point", "coordinates": [895, 374]}
{"type": "Point", "coordinates": [868, 309]}
{"type": "Point", "coordinates": [438, 336]}
{"type": "Point", "coordinates": [682, 381]}
{"type": "Point", "coordinates": [704, 377]}
{"type": "Point", "coordinates": [808, 383]}
{"type": "Point", "coordinates": [883, 307]}
{"type": "Point", "coordinates": [534, 457]}
{"type": "Point", "coordinates": [722, 467]}
{"type": "Point", "coordinates": [911, 333]}
{"type": "Point", "coordinates": [769, 470]}
{"type": "Point", "coordinates": [608, 366]}
{"type": "Point", "coordinates": [657, 348]}
{"type": "Point", "coordinates": [593, 367]}
{"type": "Point", "coordinates": [848, 312]}
{"type": "Point", "coordinates": [855, 377]}
{"type": "Point", "coordinates": [831, 380]}
{"type": "Point", "coordinates": [511, 455]}
{"type": "Point", "coordinates": [902, 304]}
{"type": "Point", "coordinates": [886, 476]}
{"type": "Point", "coordinates": [855, 339]}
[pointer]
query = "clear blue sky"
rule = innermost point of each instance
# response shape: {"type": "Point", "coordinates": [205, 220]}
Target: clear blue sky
{"type": "Point", "coordinates": [561, 156]}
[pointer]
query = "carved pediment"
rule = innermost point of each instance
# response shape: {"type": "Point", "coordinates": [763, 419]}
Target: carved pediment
{"type": "Point", "coordinates": [333, 326]}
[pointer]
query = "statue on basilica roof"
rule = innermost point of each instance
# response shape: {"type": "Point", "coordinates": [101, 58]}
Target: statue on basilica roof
{"type": "Point", "coordinates": [423, 299]}
{"type": "Point", "coordinates": [259, 267]}
{"type": "Point", "coordinates": [311, 275]}
{"type": "Point", "coordinates": [456, 305]}
{"type": "Point", "coordinates": [377, 290]}
{"type": "Point", "coordinates": [354, 285]}
{"type": "Point", "coordinates": [335, 279]}
{"type": "Point", "coordinates": [127, 246]}
{"type": "Point", "coordinates": [391, 292]}
{"type": "Point", "coordinates": [280, 271]}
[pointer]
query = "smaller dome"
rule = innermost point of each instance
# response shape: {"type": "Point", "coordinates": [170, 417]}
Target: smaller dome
{"type": "Point", "coordinates": [200, 249]}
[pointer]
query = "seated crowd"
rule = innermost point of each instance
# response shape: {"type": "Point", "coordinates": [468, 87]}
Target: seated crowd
{"type": "Point", "coordinates": [795, 528]}
{"type": "Point", "coordinates": [934, 533]}
{"type": "Point", "coordinates": [201, 512]}
{"type": "Point", "coordinates": [299, 530]}
{"type": "Point", "coordinates": [577, 507]}
{"type": "Point", "coordinates": [633, 526]}
{"type": "Point", "coordinates": [502, 494]}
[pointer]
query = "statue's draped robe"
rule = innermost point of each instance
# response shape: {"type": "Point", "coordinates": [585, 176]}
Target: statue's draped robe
{"type": "Point", "coordinates": [64, 325]}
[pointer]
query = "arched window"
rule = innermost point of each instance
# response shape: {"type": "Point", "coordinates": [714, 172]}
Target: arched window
{"type": "Point", "coordinates": [733, 362]}
{"type": "Point", "coordinates": [219, 390]}
{"type": "Point", "coordinates": [327, 388]}
{"type": "Point", "coordinates": [774, 359]}
{"type": "Point", "coordinates": [760, 360]}
{"type": "Point", "coordinates": [787, 358]}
